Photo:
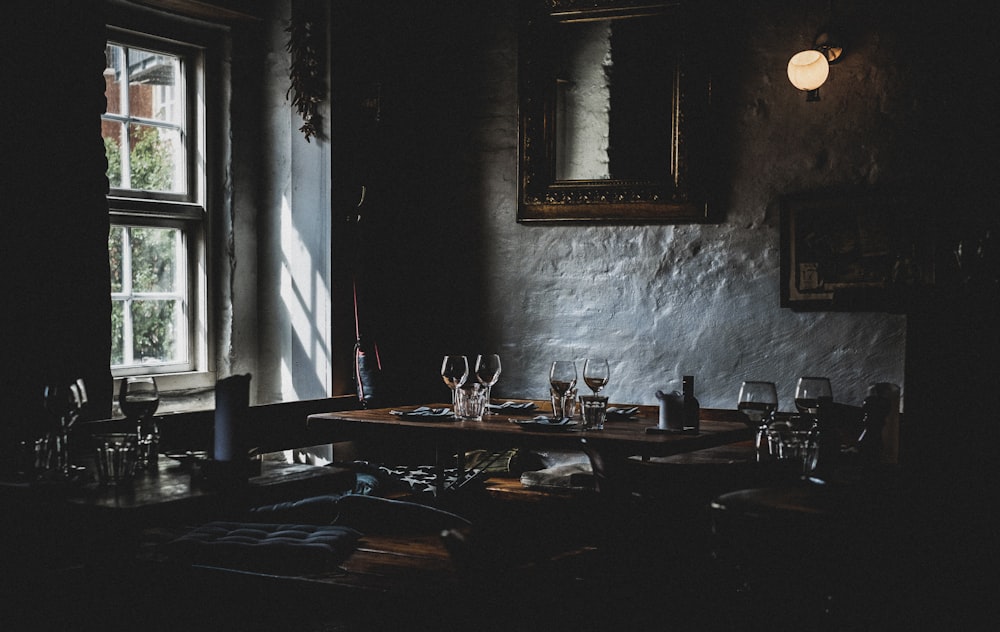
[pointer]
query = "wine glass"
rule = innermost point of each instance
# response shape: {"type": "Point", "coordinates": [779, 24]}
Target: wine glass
{"type": "Point", "coordinates": [59, 403]}
{"type": "Point", "coordinates": [811, 393]}
{"type": "Point", "coordinates": [487, 373]}
{"type": "Point", "coordinates": [454, 371]}
{"type": "Point", "coordinates": [65, 403]}
{"type": "Point", "coordinates": [757, 402]}
{"type": "Point", "coordinates": [562, 378]}
{"type": "Point", "coordinates": [139, 398]}
{"type": "Point", "coordinates": [596, 373]}
{"type": "Point", "coordinates": [78, 393]}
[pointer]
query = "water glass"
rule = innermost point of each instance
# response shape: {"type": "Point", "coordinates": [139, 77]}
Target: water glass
{"type": "Point", "coordinates": [470, 401]}
{"type": "Point", "coordinates": [32, 457]}
{"type": "Point", "coordinates": [147, 452]}
{"type": "Point", "coordinates": [115, 455]}
{"type": "Point", "coordinates": [595, 411]}
{"type": "Point", "coordinates": [794, 442]}
{"type": "Point", "coordinates": [564, 404]}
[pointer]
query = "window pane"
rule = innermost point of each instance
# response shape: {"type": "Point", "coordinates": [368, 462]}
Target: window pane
{"type": "Point", "coordinates": [157, 159]}
{"type": "Point", "coordinates": [155, 325]}
{"type": "Point", "coordinates": [117, 333]}
{"type": "Point", "coordinates": [115, 257]}
{"type": "Point", "coordinates": [154, 87]}
{"type": "Point", "coordinates": [154, 259]}
{"type": "Point", "coordinates": [115, 57]}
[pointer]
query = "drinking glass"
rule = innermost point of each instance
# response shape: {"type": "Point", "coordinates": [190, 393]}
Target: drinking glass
{"type": "Point", "coordinates": [487, 374]}
{"type": "Point", "coordinates": [596, 373]}
{"type": "Point", "coordinates": [64, 402]}
{"type": "Point", "coordinates": [59, 403]}
{"type": "Point", "coordinates": [139, 398]}
{"type": "Point", "coordinates": [811, 393]}
{"type": "Point", "coordinates": [757, 402]}
{"type": "Point", "coordinates": [454, 371]}
{"type": "Point", "coordinates": [562, 378]}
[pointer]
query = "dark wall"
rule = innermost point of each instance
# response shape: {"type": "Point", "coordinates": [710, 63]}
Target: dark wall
{"type": "Point", "coordinates": [54, 259]}
{"type": "Point", "coordinates": [953, 329]}
{"type": "Point", "coordinates": [413, 152]}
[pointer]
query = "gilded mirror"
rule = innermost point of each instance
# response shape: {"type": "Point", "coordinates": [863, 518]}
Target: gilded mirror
{"type": "Point", "coordinates": [613, 113]}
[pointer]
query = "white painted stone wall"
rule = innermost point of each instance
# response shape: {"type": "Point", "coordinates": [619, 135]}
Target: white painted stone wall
{"type": "Point", "coordinates": [665, 301]}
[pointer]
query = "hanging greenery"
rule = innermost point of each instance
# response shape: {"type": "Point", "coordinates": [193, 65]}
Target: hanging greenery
{"type": "Point", "coordinates": [307, 88]}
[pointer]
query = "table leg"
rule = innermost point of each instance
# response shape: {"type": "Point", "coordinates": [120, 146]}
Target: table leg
{"type": "Point", "coordinates": [439, 470]}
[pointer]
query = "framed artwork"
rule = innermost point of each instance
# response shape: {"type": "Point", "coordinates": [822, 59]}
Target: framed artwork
{"type": "Point", "coordinates": [631, 146]}
{"type": "Point", "coordinates": [849, 252]}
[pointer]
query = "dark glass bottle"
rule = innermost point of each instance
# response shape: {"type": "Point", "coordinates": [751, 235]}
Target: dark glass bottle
{"type": "Point", "coordinates": [874, 411]}
{"type": "Point", "coordinates": [367, 373]}
{"type": "Point", "coordinates": [692, 409]}
{"type": "Point", "coordinates": [828, 440]}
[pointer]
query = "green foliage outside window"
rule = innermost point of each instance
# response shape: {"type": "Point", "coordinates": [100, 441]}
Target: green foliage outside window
{"type": "Point", "coordinates": [154, 269]}
{"type": "Point", "coordinates": [151, 161]}
{"type": "Point", "coordinates": [153, 254]}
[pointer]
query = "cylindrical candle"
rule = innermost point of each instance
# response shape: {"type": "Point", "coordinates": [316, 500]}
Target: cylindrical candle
{"type": "Point", "coordinates": [232, 399]}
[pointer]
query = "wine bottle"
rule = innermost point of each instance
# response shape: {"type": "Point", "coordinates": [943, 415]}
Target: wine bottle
{"type": "Point", "coordinates": [692, 408]}
{"type": "Point", "coordinates": [828, 440]}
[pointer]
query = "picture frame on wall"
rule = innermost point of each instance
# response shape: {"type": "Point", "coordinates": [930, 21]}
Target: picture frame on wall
{"type": "Point", "coordinates": [850, 251]}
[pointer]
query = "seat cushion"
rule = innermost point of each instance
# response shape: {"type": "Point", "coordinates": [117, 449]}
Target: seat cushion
{"type": "Point", "coordinates": [282, 549]}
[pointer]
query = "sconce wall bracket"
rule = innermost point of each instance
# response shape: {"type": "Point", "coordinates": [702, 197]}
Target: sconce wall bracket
{"type": "Point", "coordinates": [830, 45]}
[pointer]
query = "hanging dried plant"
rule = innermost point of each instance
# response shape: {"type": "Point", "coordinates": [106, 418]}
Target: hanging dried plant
{"type": "Point", "coordinates": [306, 72]}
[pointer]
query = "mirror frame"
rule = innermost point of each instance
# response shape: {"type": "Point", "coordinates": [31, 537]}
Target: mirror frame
{"type": "Point", "coordinates": [679, 197]}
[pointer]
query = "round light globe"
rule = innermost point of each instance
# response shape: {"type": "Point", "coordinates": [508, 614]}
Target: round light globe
{"type": "Point", "coordinates": [807, 70]}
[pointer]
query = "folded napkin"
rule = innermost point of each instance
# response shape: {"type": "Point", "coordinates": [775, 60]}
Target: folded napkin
{"type": "Point", "coordinates": [423, 412]}
{"type": "Point", "coordinates": [566, 476]}
{"type": "Point", "coordinates": [513, 406]}
{"type": "Point", "coordinates": [623, 413]}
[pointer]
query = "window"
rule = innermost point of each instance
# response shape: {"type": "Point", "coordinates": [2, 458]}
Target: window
{"type": "Point", "coordinates": [153, 133]}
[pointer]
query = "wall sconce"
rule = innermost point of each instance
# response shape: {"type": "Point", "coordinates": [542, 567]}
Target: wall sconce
{"type": "Point", "coordinates": [808, 69]}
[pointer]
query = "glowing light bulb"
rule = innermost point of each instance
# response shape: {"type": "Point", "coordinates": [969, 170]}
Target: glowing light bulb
{"type": "Point", "coordinates": [808, 69]}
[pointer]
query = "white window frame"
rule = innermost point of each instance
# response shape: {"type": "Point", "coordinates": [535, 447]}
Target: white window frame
{"type": "Point", "coordinates": [186, 211]}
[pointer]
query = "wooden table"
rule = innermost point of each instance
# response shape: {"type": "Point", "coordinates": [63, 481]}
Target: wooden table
{"type": "Point", "coordinates": [176, 488]}
{"type": "Point", "coordinates": [618, 440]}
{"type": "Point", "coordinates": [83, 518]}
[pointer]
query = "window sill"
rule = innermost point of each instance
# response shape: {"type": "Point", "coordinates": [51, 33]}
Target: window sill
{"type": "Point", "coordinates": [187, 391]}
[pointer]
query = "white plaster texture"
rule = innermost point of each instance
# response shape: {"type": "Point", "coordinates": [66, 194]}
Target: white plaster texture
{"type": "Point", "coordinates": [703, 300]}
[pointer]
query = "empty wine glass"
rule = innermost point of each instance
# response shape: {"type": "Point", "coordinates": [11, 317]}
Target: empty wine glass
{"type": "Point", "coordinates": [562, 379]}
{"type": "Point", "coordinates": [487, 373]}
{"type": "Point", "coordinates": [454, 372]}
{"type": "Point", "coordinates": [63, 402]}
{"type": "Point", "coordinates": [811, 393]}
{"type": "Point", "coordinates": [757, 402]}
{"type": "Point", "coordinates": [596, 373]}
{"type": "Point", "coordinates": [78, 392]}
{"type": "Point", "coordinates": [59, 403]}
